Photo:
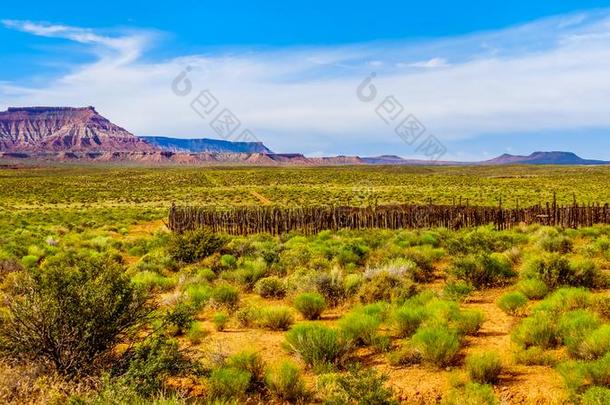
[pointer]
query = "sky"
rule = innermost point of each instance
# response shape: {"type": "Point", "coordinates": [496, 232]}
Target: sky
{"type": "Point", "coordinates": [477, 78]}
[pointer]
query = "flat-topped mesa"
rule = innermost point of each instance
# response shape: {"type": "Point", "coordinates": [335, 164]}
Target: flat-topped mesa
{"type": "Point", "coordinates": [62, 129]}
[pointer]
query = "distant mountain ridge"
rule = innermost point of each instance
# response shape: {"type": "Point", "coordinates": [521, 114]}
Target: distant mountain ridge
{"type": "Point", "coordinates": [205, 145]}
{"type": "Point", "coordinates": [544, 158]}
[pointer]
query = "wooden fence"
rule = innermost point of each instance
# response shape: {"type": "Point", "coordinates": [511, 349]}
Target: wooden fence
{"type": "Point", "coordinates": [247, 220]}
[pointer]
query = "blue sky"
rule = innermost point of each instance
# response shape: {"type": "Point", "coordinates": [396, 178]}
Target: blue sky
{"type": "Point", "coordinates": [483, 77]}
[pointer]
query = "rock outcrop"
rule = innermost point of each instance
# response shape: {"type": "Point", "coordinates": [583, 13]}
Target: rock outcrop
{"type": "Point", "coordinates": [64, 129]}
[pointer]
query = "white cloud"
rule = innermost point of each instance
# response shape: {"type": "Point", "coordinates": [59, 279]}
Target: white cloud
{"type": "Point", "coordinates": [548, 75]}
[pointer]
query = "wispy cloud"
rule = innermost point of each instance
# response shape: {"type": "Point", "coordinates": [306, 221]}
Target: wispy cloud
{"type": "Point", "coordinates": [551, 75]}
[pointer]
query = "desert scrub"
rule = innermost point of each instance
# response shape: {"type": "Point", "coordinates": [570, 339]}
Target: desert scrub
{"type": "Point", "coordinates": [153, 281]}
{"type": "Point", "coordinates": [192, 246]}
{"type": "Point", "coordinates": [220, 320]}
{"type": "Point", "coordinates": [483, 270]}
{"type": "Point", "coordinates": [457, 290]}
{"type": "Point", "coordinates": [437, 345]}
{"type": "Point", "coordinates": [228, 383]}
{"type": "Point", "coordinates": [534, 356]}
{"type": "Point", "coordinates": [596, 396]}
{"type": "Point", "coordinates": [383, 286]}
{"type": "Point", "coordinates": [286, 383]}
{"type": "Point", "coordinates": [358, 386]}
{"type": "Point", "coordinates": [310, 305]}
{"type": "Point", "coordinates": [317, 345]}
{"type": "Point", "coordinates": [540, 329]}
{"type": "Point", "coordinates": [226, 295]}
{"type": "Point", "coordinates": [270, 287]}
{"type": "Point", "coordinates": [252, 363]}
{"type": "Point", "coordinates": [471, 393]}
{"type": "Point", "coordinates": [574, 327]}
{"type": "Point", "coordinates": [407, 319]}
{"type": "Point", "coordinates": [557, 271]}
{"type": "Point", "coordinates": [484, 367]}
{"type": "Point", "coordinates": [533, 289]}
{"type": "Point", "coordinates": [87, 303]}
{"type": "Point", "coordinates": [513, 303]}
{"type": "Point", "coordinates": [275, 318]}
{"type": "Point", "coordinates": [360, 328]}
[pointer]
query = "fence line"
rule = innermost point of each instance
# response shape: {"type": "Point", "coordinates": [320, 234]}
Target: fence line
{"type": "Point", "coordinates": [245, 220]}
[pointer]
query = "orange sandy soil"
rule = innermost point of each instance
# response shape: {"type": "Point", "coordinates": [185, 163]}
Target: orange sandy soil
{"type": "Point", "coordinates": [413, 384]}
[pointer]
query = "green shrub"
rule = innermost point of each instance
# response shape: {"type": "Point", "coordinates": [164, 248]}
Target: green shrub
{"type": "Point", "coordinates": [228, 261]}
{"type": "Point", "coordinates": [352, 283]}
{"type": "Point", "coordinates": [556, 243]}
{"type": "Point", "coordinates": [574, 326]}
{"type": "Point", "coordinates": [270, 287]}
{"type": "Point", "coordinates": [565, 299]}
{"type": "Point", "coordinates": [407, 320]}
{"type": "Point", "coordinates": [229, 383]}
{"type": "Point", "coordinates": [193, 246]}
{"type": "Point", "coordinates": [151, 362]}
{"type": "Point", "coordinates": [318, 345]}
{"type": "Point", "coordinates": [247, 316]}
{"type": "Point", "coordinates": [513, 303]}
{"type": "Point", "coordinates": [180, 317]}
{"type": "Point", "coordinates": [358, 386]}
{"type": "Point", "coordinates": [226, 295]}
{"type": "Point", "coordinates": [330, 285]}
{"type": "Point", "coordinates": [276, 318]}
{"type": "Point", "coordinates": [484, 368]}
{"type": "Point", "coordinates": [406, 355]}
{"type": "Point", "coordinates": [196, 333]}
{"type": "Point", "coordinates": [468, 322]}
{"type": "Point", "coordinates": [533, 289]}
{"type": "Point", "coordinates": [250, 362]}
{"type": "Point", "coordinates": [151, 281]}
{"type": "Point", "coordinates": [71, 313]}
{"type": "Point", "coordinates": [385, 287]}
{"type": "Point", "coordinates": [534, 356]}
{"type": "Point", "coordinates": [471, 394]}
{"type": "Point", "coordinates": [596, 343]}
{"type": "Point", "coordinates": [540, 329]}
{"type": "Point", "coordinates": [557, 271]}
{"type": "Point", "coordinates": [438, 346]}
{"type": "Point", "coordinates": [596, 396]}
{"type": "Point", "coordinates": [285, 383]}
{"type": "Point", "coordinates": [220, 320]}
{"type": "Point", "coordinates": [360, 328]}
{"type": "Point", "coordinates": [457, 291]}
{"type": "Point", "coordinates": [198, 295]}
{"type": "Point", "coordinates": [310, 305]}
{"type": "Point", "coordinates": [483, 270]}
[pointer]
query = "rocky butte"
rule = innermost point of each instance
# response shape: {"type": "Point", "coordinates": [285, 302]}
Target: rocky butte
{"type": "Point", "coordinates": [62, 129]}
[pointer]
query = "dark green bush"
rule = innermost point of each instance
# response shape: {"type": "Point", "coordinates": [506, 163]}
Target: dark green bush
{"type": "Point", "coordinates": [192, 246]}
{"type": "Point", "coordinates": [513, 303]}
{"type": "Point", "coordinates": [483, 270]}
{"type": "Point", "coordinates": [285, 383]}
{"type": "Point", "coordinates": [484, 368]}
{"type": "Point", "coordinates": [437, 345]}
{"type": "Point", "coordinates": [180, 317]}
{"type": "Point", "coordinates": [318, 345]}
{"type": "Point", "coordinates": [310, 305]}
{"type": "Point", "coordinates": [71, 314]}
{"type": "Point", "coordinates": [557, 271]}
{"type": "Point", "coordinates": [151, 362]}
{"type": "Point", "coordinates": [270, 287]}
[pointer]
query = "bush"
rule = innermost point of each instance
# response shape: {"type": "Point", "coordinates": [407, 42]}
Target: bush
{"type": "Point", "coordinates": [533, 289]}
{"type": "Point", "coordinates": [285, 383]}
{"type": "Point", "coordinates": [468, 322]}
{"type": "Point", "coordinates": [483, 270]}
{"type": "Point", "coordinates": [151, 281]}
{"type": "Point", "coordinates": [596, 344]}
{"type": "Point", "coordinates": [250, 362]}
{"type": "Point", "coordinates": [359, 386]}
{"type": "Point", "coordinates": [574, 326]}
{"type": "Point", "coordinates": [484, 368]}
{"type": "Point", "coordinates": [180, 317]}
{"type": "Point", "coordinates": [385, 287]}
{"type": "Point", "coordinates": [596, 396]}
{"type": "Point", "coordinates": [228, 261]}
{"type": "Point", "coordinates": [276, 318]}
{"type": "Point", "coordinates": [226, 295]}
{"type": "Point", "coordinates": [151, 362]}
{"type": "Point", "coordinates": [229, 383]}
{"type": "Point", "coordinates": [220, 320]}
{"type": "Point", "coordinates": [534, 356]}
{"type": "Point", "coordinates": [437, 345]}
{"type": "Point", "coordinates": [556, 271]}
{"type": "Point", "coordinates": [318, 345]}
{"type": "Point", "coordinates": [360, 328]}
{"type": "Point", "coordinates": [538, 330]}
{"type": "Point", "coordinates": [310, 305]}
{"type": "Point", "coordinates": [513, 303]}
{"type": "Point", "coordinates": [71, 314]}
{"type": "Point", "coordinates": [471, 394]}
{"type": "Point", "coordinates": [407, 320]}
{"type": "Point", "coordinates": [457, 291]}
{"type": "Point", "coordinates": [330, 285]}
{"type": "Point", "coordinates": [247, 316]}
{"type": "Point", "coordinates": [270, 287]}
{"type": "Point", "coordinates": [192, 246]}
{"type": "Point", "coordinates": [196, 333]}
